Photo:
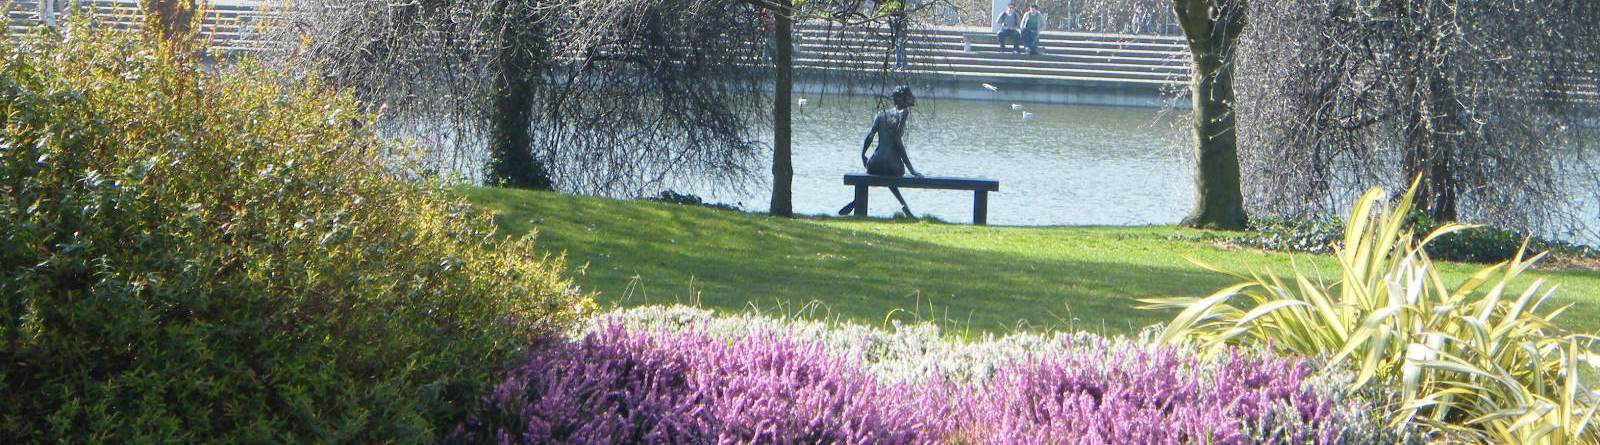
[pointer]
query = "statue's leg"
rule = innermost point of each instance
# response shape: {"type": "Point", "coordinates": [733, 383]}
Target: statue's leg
{"type": "Point", "coordinates": [903, 206]}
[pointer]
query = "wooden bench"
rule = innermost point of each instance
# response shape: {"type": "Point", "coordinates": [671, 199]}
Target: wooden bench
{"type": "Point", "coordinates": [980, 189]}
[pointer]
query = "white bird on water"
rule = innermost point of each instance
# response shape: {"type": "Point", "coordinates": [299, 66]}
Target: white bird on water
{"type": "Point", "coordinates": [803, 101]}
{"type": "Point", "coordinates": [1027, 116]}
{"type": "Point", "coordinates": [1016, 107]}
{"type": "Point", "coordinates": [990, 87]}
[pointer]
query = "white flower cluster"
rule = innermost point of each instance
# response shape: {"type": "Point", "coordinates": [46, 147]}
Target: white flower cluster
{"type": "Point", "coordinates": [908, 353]}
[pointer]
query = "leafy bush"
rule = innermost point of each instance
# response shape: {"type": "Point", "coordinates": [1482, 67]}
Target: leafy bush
{"type": "Point", "coordinates": [678, 375]}
{"type": "Point", "coordinates": [1274, 233]}
{"type": "Point", "coordinates": [1474, 244]}
{"type": "Point", "coordinates": [672, 197]}
{"type": "Point", "coordinates": [1479, 361]}
{"type": "Point", "coordinates": [196, 256]}
{"type": "Point", "coordinates": [1482, 244]}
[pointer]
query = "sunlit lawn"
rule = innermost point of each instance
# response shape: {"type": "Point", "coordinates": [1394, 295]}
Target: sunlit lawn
{"type": "Point", "coordinates": [969, 278]}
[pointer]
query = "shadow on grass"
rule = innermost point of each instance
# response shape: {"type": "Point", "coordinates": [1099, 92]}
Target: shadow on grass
{"type": "Point", "coordinates": [647, 253]}
{"type": "Point", "coordinates": [978, 279]}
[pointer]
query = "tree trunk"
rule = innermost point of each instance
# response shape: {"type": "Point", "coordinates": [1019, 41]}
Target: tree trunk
{"type": "Point", "coordinates": [170, 19]}
{"type": "Point", "coordinates": [782, 165]}
{"type": "Point", "coordinates": [1436, 126]}
{"type": "Point", "coordinates": [1211, 36]}
{"type": "Point", "coordinates": [511, 161]}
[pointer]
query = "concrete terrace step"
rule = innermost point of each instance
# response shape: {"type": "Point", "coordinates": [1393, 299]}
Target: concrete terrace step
{"type": "Point", "coordinates": [1005, 64]}
{"type": "Point", "coordinates": [957, 31]}
{"type": "Point", "coordinates": [923, 66]}
{"type": "Point", "coordinates": [1045, 40]}
{"type": "Point", "coordinates": [1047, 54]}
{"type": "Point", "coordinates": [940, 52]}
{"type": "Point", "coordinates": [1160, 52]}
{"type": "Point", "coordinates": [1124, 56]}
{"type": "Point", "coordinates": [990, 77]}
{"type": "Point", "coordinates": [955, 35]}
{"type": "Point", "coordinates": [1002, 59]}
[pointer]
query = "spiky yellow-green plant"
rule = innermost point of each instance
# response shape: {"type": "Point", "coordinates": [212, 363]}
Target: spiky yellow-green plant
{"type": "Point", "coordinates": [1475, 360]}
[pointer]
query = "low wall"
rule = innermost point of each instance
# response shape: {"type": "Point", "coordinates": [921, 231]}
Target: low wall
{"type": "Point", "coordinates": [1065, 92]}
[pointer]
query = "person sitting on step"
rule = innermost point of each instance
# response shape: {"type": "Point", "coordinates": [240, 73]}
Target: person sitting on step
{"type": "Point", "coordinates": [1032, 23]}
{"type": "Point", "coordinates": [1009, 23]}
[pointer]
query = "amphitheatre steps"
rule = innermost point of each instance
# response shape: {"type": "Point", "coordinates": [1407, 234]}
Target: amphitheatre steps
{"type": "Point", "coordinates": [1080, 59]}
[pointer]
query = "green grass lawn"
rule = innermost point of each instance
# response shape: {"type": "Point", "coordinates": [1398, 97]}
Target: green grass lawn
{"type": "Point", "coordinates": [969, 278]}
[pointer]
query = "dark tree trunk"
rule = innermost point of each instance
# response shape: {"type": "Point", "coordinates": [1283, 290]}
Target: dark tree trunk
{"type": "Point", "coordinates": [171, 19]}
{"type": "Point", "coordinates": [1212, 27]}
{"type": "Point", "coordinates": [782, 165]}
{"type": "Point", "coordinates": [1433, 136]}
{"type": "Point", "coordinates": [1436, 126]}
{"type": "Point", "coordinates": [511, 161]}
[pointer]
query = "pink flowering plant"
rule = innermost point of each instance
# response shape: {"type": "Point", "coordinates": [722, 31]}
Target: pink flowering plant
{"type": "Point", "coordinates": [681, 376]}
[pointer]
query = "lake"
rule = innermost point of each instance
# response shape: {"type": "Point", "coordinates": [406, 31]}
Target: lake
{"type": "Point", "coordinates": [1066, 165]}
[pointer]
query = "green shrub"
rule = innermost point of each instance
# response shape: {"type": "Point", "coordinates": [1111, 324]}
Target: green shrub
{"type": "Point", "coordinates": [1482, 361]}
{"type": "Point", "coordinates": [1475, 244]}
{"type": "Point", "coordinates": [1482, 244]}
{"type": "Point", "coordinates": [193, 255]}
{"type": "Point", "coordinates": [673, 197]}
{"type": "Point", "coordinates": [1276, 233]}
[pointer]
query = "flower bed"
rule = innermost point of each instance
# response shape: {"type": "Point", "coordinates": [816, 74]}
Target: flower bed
{"type": "Point", "coordinates": [677, 375]}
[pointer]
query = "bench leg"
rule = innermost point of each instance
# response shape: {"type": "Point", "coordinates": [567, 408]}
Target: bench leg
{"type": "Point", "coordinates": [861, 200]}
{"type": "Point", "coordinates": [980, 207]}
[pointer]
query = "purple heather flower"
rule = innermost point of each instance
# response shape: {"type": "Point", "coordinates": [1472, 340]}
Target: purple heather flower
{"type": "Point", "coordinates": [689, 387]}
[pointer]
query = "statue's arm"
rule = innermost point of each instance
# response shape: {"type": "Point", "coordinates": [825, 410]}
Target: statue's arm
{"type": "Point", "coordinates": [868, 143]}
{"type": "Point", "coordinates": [905, 155]}
{"type": "Point", "coordinates": [906, 158]}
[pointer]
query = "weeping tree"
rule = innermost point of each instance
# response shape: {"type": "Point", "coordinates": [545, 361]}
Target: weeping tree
{"type": "Point", "coordinates": [430, 68]}
{"type": "Point", "coordinates": [1479, 99]}
{"type": "Point", "coordinates": [605, 97]}
{"type": "Point", "coordinates": [585, 96]}
{"type": "Point", "coordinates": [517, 56]}
{"type": "Point", "coordinates": [654, 92]}
{"type": "Point", "coordinates": [1212, 29]}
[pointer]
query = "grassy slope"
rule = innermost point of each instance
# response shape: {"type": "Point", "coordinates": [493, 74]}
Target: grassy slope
{"type": "Point", "coordinates": [979, 278]}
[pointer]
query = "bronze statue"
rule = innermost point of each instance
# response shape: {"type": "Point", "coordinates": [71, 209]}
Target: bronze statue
{"type": "Point", "coordinates": [890, 158]}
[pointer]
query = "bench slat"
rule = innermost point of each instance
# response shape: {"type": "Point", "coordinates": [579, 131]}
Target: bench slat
{"type": "Point", "coordinates": [927, 182]}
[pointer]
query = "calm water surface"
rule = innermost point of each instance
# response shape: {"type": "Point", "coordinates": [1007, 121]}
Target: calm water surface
{"type": "Point", "coordinates": [1067, 165]}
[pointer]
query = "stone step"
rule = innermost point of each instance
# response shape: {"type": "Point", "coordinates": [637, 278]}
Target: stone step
{"type": "Point", "coordinates": [1054, 47]}
{"type": "Point", "coordinates": [1047, 55]}
{"type": "Point", "coordinates": [956, 32]}
{"type": "Point", "coordinates": [977, 70]}
{"type": "Point", "coordinates": [1148, 42]}
{"type": "Point", "coordinates": [1001, 64]}
{"type": "Point", "coordinates": [1046, 40]}
{"type": "Point", "coordinates": [998, 78]}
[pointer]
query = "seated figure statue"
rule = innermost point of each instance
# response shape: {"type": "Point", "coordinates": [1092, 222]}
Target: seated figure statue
{"type": "Point", "coordinates": [890, 158]}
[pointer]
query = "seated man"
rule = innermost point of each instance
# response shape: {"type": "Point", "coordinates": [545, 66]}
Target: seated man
{"type": "Point", "coordinates": [1008, 23]}
{"type": "Point", "coordinates": [1032, 23]}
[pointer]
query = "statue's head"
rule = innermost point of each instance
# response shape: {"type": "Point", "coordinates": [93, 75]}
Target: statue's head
{"type": "Point", "coordinates": [902, 97]}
